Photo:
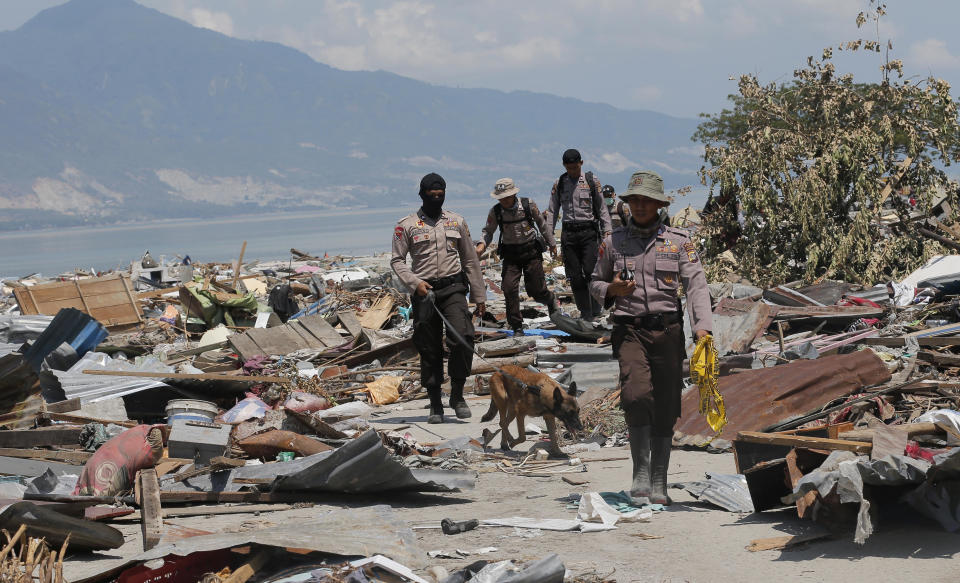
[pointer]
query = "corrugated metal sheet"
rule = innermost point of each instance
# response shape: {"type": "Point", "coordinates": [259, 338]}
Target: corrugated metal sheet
{"type": "Point", "coordinates": [728, 491]}
{"type": "Point", "coordinates": [90, 388]}
{"type": "Point", "coordinates": [20, 399]}
{"type": "Point", "coordinates": [20, 329]}
{"type": "Point", "coordinates": [360, 466]}
{"type": "Point", "coordinates": [757, 399]}
{"type": "Point", "coordinates": [72, 326]}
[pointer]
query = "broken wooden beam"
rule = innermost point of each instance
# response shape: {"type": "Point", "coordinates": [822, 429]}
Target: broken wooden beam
{"type": "Point", "coordinates": [191, 376]}
{"type": "Point", "coordinates": [25, 438]}
{"type": "Point", "coordinates": [910, 429]}
{"type": "Point", "coordinates": [860, 447]}
{"type": "Point", "coordinates": [70, 457]}
{"type": "Point", "coordinates": [151, 519]}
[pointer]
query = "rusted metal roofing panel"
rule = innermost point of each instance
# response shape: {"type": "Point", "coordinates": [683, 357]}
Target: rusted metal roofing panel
{"type": "Point", "coordinates": [760, 398]}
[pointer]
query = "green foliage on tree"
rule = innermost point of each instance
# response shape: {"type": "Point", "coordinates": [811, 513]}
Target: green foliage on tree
{"type": "Point", "coordinates": [806, 177]}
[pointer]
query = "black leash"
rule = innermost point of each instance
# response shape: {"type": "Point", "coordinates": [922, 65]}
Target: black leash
{"type": "Point", "coordinates": [431, 298]}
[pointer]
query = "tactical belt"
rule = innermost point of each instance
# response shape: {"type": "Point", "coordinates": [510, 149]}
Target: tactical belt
{"type": "Point", "coordinates": [579, 225]}
{"type": "Point", "coordinates": [521, 252]}
{"type": "Point", "coordinates": [650, 321]}
{"type": "Point", "coordinates": [442, 282]}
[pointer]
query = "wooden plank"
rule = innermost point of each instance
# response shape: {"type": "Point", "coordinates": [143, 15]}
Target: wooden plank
{"type": "Point", "coordinates": [82, 419]}
{"type": "Point", "coordinates": [63, 406]}
{"type": "Point", "coordinates": [117, 315]}
{"type": "Point", "coordinates": [168, 465]}
{"type": "Point", "coordinates": [71, 457]}
{"type": "Point", "coordinates": [275, 341]}
{"type": "Point", "coordinates": [151, 518]}
{"type": "Point", "coordinates": [321, 329]}
{"type": "Point", "coordinates": [108, 299]}
{"type": "Point", "coordinates": [910, 429]}
{"type": "Point", "coordinates": [67, 290]}
{"type": "Point", "coordinates": [779, 543]}
{"type": "Point", "coordinates": [221, 510]}
{"type": "Point", "coordinates": [308, 340]}
{"type": "Point", "coordinates": [24, 438]}
{"type": "Point", "coordinates": [244, 572]}
{"type": "Point", "coordinates": [350, 322]}
{"type": "Point", "coordinates": [806, 502]}
{"type": "Point", "coordinates": [83, 300]}
{"type": "Point", "coordinates": [801, 441]}
{"type": "Point", "coordinates": [28, 306]}
{"type": "Point", "coordinates": [236, 271]}
{"type": "Point", "coordinates": [378, 314]}
{"type": "Point", "coordinates": [156, 293]}
{"type": "Point", "coordinates": [133, 302]}
{"type": "Point", "coordinates": [940, 358]}
{"type": "Point", "coordinates": [190, 376]}
{"type": "Point", "coordinates": [245, 346]}
{"type": "Point", "coordinates": [485, 366]}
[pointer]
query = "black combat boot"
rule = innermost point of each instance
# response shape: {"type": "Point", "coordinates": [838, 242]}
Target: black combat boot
{"type": "Point", "coordinates": [436, 405]}
{"type": "Point", "coordinates": [660, 460]}
{"type": "Point", "coordinates": [457, 403]}
{"type": "Point", "coordinates": [640, 489]}
{"type": "Point", "coordinates": [552, 304]}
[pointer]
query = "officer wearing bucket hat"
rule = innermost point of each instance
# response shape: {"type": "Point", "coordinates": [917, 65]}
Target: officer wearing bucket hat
{"type": "Point", "coordinates": [639, 272]}
{"type": "Point", "coordinates": [585, 222]}
{"type": "Point", "coordinates": [523, 239]}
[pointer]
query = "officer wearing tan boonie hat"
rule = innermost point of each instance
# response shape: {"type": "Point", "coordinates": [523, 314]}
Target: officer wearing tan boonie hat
{"type": "Point", "coordinates": [639, 272]}
{"type": "Point", "coordinates": [523, 239]}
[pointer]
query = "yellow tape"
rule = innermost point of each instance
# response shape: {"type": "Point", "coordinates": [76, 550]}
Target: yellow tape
{"type": "Point", "coordinates": [705, 372]}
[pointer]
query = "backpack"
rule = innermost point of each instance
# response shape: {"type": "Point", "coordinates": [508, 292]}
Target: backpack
{"type": "Point", "coordinates": [525, 205]}
{"type": "Point", "coordinates": [594, 193]}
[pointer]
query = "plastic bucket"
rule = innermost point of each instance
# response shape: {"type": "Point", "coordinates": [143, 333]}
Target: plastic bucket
{"type": "Point", "coordinates": [191, 410]}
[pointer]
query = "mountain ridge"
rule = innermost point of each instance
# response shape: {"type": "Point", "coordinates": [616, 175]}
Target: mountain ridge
{"type": "Point", "coordinates": [116, 111]}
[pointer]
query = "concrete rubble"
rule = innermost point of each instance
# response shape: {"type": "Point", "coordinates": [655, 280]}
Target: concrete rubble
{"type": "Point", "coordinates": [292, 386]}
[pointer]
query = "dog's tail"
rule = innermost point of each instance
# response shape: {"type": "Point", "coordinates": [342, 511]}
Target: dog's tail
{"type": "Point", "coordinates": [491, 412]}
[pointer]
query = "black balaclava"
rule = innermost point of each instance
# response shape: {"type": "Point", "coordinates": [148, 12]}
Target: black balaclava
{"type": "Point", "coordinates": [432, 207]}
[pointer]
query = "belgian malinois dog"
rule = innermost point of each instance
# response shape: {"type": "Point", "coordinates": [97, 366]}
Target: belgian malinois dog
{"type": "Point", "coordinates": [540, 397]}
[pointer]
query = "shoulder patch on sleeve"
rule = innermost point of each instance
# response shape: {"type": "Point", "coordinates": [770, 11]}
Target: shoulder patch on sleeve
{"type": "Point", "coordinates": [691, 250]}
{"type": "Point", "coordinates": [398, 233]}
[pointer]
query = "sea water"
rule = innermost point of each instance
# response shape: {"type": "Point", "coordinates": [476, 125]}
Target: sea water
{"type": "Point", "coordinates": [268, 236]}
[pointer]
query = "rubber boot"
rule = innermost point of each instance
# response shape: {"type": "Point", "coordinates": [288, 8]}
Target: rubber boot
{"type": "Point", "coordinates": [640, 489]}
{"type": "Point", "coordinates": [457, 403]}
{"type": "Point", "coordinates": [436, 405]}
{"type": "Point", "coordinates": [660, 461]}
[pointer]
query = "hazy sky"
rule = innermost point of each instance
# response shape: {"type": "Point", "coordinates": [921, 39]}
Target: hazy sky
{"type": "Point", "coordinates": [672, 56]}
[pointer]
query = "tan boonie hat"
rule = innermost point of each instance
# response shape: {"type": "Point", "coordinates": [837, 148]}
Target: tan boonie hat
{"type": "Point", "coordinates": [504, 188]}
{"type": "Point", "coordinates": [645, 183]}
